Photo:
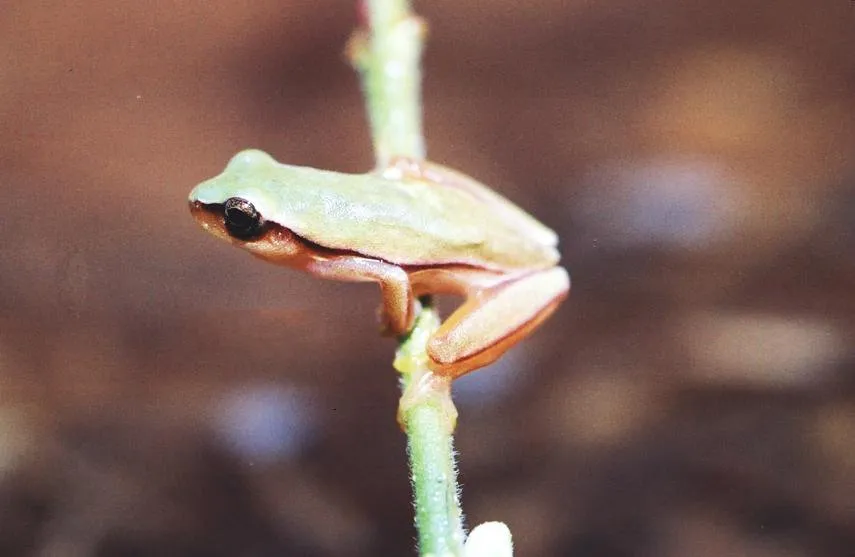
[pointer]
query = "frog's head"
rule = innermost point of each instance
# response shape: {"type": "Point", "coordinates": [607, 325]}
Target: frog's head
{"type": "Point", "coordinates": [237, 207]}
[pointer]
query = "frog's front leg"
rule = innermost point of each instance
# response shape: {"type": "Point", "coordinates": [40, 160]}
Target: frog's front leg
{"type": "Point", "coordinates": [493, 320]}
{"type": "Point", "coordinates": [398, 309]}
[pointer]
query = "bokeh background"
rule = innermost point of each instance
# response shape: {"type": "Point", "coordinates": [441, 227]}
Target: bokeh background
{"type": "Point", "coordinates": [164, 394]}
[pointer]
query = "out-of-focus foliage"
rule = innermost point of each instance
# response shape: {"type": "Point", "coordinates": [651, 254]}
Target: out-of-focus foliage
{"type": "Point", "coordinates": [163, 394]}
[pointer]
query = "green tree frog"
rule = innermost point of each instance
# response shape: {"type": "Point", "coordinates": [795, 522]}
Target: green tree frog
{"type": "Point", "coordinates": [416, 228]}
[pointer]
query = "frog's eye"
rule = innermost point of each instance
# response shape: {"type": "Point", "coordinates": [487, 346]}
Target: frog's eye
{"type": "Point", "coordinates": [242, 219]}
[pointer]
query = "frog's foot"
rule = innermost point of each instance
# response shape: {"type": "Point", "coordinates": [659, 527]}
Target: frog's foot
{"type": "Point", "coordinates": [493, 320]}
{"type": "Point", "coordinates": [404, 168]}
{"type": "Point", "coordinates": [387, 329]}
{"type": "Point", "coordinates": [392, 324]}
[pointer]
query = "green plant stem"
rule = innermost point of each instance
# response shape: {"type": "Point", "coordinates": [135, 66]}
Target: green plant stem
{"type": "Point", "coordinates": [428, 416]}
{"type": "Point", "coordinates": [387, 55]}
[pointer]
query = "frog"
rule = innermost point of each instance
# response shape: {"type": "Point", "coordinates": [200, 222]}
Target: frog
{"type": "Point", "coordinates": [415, 227]}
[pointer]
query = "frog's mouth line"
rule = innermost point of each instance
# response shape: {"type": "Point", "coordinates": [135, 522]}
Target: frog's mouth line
{"type": "Point", "coordinates": [274, 238]}
{"type": "Point", "coordinates": [210, 217]}
{"type": "Point", "coordinates": [274, 243]}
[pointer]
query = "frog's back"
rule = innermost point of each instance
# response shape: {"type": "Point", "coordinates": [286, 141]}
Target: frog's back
{"type": "Point", "coordinates": [403, 222]}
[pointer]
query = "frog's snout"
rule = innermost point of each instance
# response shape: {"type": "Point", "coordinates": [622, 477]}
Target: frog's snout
{"type": "Point", "coordinates": [208, 217]}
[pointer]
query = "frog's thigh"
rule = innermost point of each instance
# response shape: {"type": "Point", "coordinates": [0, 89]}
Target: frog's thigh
{"type": "Point", "coordinates": [493, 321]}
{"type": "Point", "coordinates": [398, 300]}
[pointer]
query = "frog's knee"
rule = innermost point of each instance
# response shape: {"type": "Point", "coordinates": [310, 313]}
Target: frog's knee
{"type": "Point", "coordinates": [448, 359]}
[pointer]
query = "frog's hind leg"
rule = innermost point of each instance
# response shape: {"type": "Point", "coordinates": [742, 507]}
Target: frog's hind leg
{"type": "Point", "coordinates": [493, 320]}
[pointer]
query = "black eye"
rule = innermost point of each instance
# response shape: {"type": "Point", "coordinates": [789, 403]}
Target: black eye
{"type": "Point", "coordinates": [242, 219]}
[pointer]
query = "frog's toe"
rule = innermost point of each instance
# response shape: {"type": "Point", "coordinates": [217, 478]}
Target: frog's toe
{"type": "Point", "coordinates": [385, 322]}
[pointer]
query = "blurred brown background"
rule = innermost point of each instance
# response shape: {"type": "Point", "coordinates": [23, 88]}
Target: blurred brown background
{"type": "Point", "coordinates": [164, 394]}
